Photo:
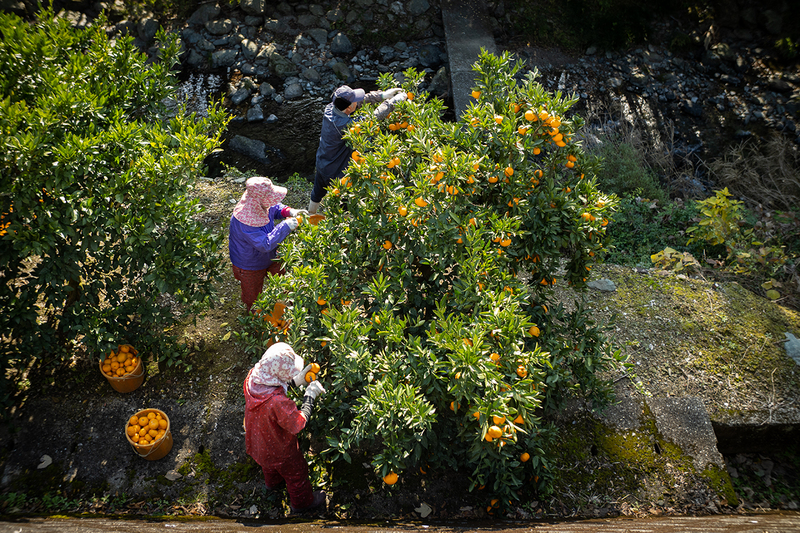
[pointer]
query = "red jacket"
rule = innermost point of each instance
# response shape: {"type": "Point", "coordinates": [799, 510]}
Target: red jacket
{"type": "Point", "coordinates": [272, 421]}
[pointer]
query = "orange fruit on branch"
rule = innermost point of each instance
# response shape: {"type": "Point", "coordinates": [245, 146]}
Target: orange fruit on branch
{"type": "Point", "coordinates": [390, 478]}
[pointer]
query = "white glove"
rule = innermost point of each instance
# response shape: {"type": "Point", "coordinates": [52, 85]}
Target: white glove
{"type": "Point", "coordinates": [314, 389]}
{"type": "Point", "coordinates": [398, 98]}
{"type": "Point", "coordinates": [385, 95]}
{"type": "Point", "coordinates": [300, 378]}
{"type": "Point", "coordinates": [292, 222]}
{"type": "Point", "coordinates": [297, 212]}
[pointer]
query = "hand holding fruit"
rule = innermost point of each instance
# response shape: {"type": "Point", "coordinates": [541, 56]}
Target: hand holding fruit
{"type": "Point", "coordinates": [314, 389]}
{"type": "Point", "coordinates": [292, 222]}
{"type": "Point", "coordinates": [391, 93]}
{"type": "Point", "coordinates": [300, 378]}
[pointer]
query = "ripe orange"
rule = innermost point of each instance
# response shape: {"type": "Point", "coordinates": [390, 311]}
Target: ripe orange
{"type": "Point", "coordinates": [315, 367]}
{"type": "Point", "coordinates": [310, 376]}
{"type": "Point", "coordinates": [476, 414]}
{"type": "Point", "coordinates": [476, 94]}
{"type": "Point", "coordinates": [495, 432]}
{"type": "Point", "coordinates": [572, 158]}
{"type": "Point", "coordinates": [519, 420]}
{"type": "Point", "coordinates": [473, 222]}
{"type": "Point", "coordinates": [492, 179]}
{"type": "Point", "coordinates": [467, 342]}
{"type": "Point", "coordinates": [420, 202]}
{"type": "Point", "coordinates": [390, 478]}
{"type": "Point", "coordinates": [537, 151]}
{"type": "Point", "coordinates": [509, 171]}
{"type": "Point", "coordinates": [387, 245]}
{"type": "Point", "coordinates": [505, 243]}
{"type": "Point", "coordinates": [402, 211]}
{"type": "Point", "coordinates": [321, 301]}
{"type": "Point", "coordinates": [498, 119]}
{"type": "Point", "coordinates": [534, 331]}
{"type": "Point", "coordinates": [495, 357]}
{"type": "Point", "coordinates": [454, 406]}
{"type": "Point", "coordinates": [522, 371]}
{"type": "Point", "coordinates": [525, 457]}
{"type": "Point", "coordinates": [570, 164]}
{"type": "Point", "coordinates": [497, 419]}
{"type": "Point", "coordinates": [530, 116]}
{"type": "Point", "coordinates": [410, 96]}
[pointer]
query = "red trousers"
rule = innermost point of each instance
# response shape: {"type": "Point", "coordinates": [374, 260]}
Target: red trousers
{"type": "Point", "coordinates": [293, 470]}
{"type": "Point", "coordinates": [252, 281]}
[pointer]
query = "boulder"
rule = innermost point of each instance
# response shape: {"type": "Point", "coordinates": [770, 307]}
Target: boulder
{"type": "Point", "coordinates": [147, 28]}
{"type": "Point", "coordinates": [219, 27]}
{"type": "Point", "coordinates": [223, 58]}
{"type": "Point", "coordinates": [440, 84]}
{"type": "Point", "coordinates": [253, 7]}
{"type": "Point", "coordinates": [320, 35]}
{"type": "Point", "coordinates": [416, 8]}
{"type": "Point", "coordinates": [292, 91]}
{"type": "Point", "coordinates": [255, 114]}
{"type": "Point", "coordinates": [249, 49]}
{"type": "Point", "coordinates": [250, 147]}
{"type": "Point", "coordinates": [341, 45]}
{"type": "Point", "coordinates": [341, 71]}
{"type": "Point", "coordinates": [203, 14]}
{"type": "Point", "coordinates": [280, 66]}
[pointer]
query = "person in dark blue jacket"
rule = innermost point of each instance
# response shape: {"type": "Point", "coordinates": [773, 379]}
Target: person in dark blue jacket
{"type": "Point", "coordinates": [333, 155]}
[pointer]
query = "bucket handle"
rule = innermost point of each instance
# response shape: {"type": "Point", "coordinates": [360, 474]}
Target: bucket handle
{"type": "Point", "coordinates": [153, 446]}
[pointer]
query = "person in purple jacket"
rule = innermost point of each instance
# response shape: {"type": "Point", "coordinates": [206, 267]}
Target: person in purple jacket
{"type": "Point", "coordinates": [333, 155]}
{"type": "Point", "coordinates": [254, 236]}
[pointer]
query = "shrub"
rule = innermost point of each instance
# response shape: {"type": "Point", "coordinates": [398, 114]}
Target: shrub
{"type": "Point", "coordinates": [425, 293]}
{"type": "Point", "coordinates": [97, 227]}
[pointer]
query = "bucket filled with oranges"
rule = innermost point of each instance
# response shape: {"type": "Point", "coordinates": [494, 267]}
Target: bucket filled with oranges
{"type": "Point", "coordinates": [148, 433]}
{"type": "Point", "coordinates": [123, 368]}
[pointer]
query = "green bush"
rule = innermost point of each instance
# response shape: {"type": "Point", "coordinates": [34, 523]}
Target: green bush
{"type": "Point", "coordinates": [626, 173]}
{"type": "Point", "coordinates": [410, 295]}
{"type": "Point", "coordinates": [641, 227]}
{"type": "Point", "coordinates": [97, 225]}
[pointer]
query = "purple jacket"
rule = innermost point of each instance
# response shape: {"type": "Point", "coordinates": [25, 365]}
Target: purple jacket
{"type": "Point", "coordinates": [253, 248]}
{"type": "Point", "coordinates": [333, 154]}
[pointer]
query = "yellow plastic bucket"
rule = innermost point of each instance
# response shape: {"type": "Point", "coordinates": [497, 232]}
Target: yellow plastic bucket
{"type": "Point", "coordinates": [157, 449]}
{"type": "Point", "coordinates": [128, 382]}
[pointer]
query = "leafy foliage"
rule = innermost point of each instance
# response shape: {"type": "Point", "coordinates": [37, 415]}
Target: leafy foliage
{"type": "Point", "coordinates": [410, 292]}
{"type": "Point", "coordinates": [97, 226]}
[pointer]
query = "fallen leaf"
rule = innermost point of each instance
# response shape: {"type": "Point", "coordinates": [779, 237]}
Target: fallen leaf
{"type": "Point", "coordinates": [424, 510]}
{"type": "Point", "coordinates": [172, 475]}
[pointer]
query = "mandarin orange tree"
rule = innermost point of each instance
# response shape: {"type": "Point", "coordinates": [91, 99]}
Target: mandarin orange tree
{"type": "Point", "coordinates": [426, 292]}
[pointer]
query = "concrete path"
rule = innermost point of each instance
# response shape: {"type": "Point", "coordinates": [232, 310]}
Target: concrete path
{"type": "Point", "coordinates": [467, 30]}
{"type": "Point", "coordinates": [760, 523]}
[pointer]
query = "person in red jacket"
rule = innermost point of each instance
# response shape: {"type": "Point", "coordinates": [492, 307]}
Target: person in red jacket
{"type": "Point", "coordinates": [272, 422]}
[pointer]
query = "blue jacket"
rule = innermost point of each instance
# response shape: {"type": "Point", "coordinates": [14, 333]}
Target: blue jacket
{"type": "Point", "coordinates": [333, 154]}
{"type": "Point", "coordinates": [252, 248]}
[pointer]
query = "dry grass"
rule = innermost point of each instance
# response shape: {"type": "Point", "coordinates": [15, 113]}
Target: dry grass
{"type": "Point", "coordinates": [765, 174]}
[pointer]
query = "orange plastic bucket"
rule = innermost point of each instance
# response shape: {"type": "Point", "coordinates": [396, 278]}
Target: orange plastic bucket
{"type": "Point", "coordinates": [156, 449]}
{"type": "Point", "coordinates": [128, 382]}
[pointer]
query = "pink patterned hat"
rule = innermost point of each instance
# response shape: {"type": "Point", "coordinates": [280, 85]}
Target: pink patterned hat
{"type": "Point", "coordinates": [277, 366]}
{"type": "Point", "coordinates": [253, 208]}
